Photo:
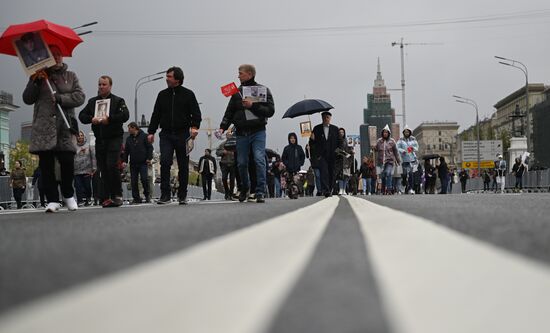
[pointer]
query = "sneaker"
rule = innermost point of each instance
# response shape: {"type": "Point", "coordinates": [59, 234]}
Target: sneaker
{"type": "Point", "coordinates": [70, 203]}
{"type": "Point", "coordinates": [117, 202]}
{"type": "Point", "coordinates": [411, 192]}
{"type": "Point", "coordinates": [252, 197]}
{"type": "Point", "coordinates": [243, 196]}
{"type": "Point", "coordinates": [147, 199]}
{"type": "Point", "coordinates": [260, 198]}
{"type": "Point", "coordinates": [164, 200]}
{"type": "Point", "coordinates": [182, 201]}
{"type": "Point", "coordinates": [107, 203]}
{"type": "Point", "coordinates": [52, 207]}
{"type": "Point", "coordinates": [136, 202]}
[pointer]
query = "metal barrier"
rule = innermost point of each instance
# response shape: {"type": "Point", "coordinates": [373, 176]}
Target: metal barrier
{"type": "Point", "coordinates": [538, 180]}
{"type": "Point", "coordinates": [31, 196]}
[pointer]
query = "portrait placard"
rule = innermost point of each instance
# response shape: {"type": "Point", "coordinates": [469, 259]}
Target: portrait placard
{"type": "Point", "coordinates": [305, 129]}
{"type": "Point", "coordinates": [33, 52]}
{"type": "Point", "coordinates": [102, 107]}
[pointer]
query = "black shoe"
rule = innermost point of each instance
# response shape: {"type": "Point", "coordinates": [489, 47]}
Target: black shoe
{"type": "Point", "coordinates": [243, 196]}
{"type": "Point", "coordinates": [182, 201]}
{"type": "Point", "coordinates": [165, 199]}
{"type": "Point", "coordinates": [117, 202]}
{"type": "Point", "coordinates": [260, 198]}
{"type": "Point", "coordinates": [136, 202]}
{"type": "Point", "coordinates": [147, 199]}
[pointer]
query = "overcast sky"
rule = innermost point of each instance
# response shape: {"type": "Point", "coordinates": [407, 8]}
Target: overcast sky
{"type": "Point", "coordinates": [318, 49]}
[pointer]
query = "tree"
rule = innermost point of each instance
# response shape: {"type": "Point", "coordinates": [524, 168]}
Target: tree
{"type": "Point", "coordinates": [21, 153]}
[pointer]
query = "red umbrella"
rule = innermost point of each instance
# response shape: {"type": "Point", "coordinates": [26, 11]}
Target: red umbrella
{"type": "Point", "coordinates": [63, 37]}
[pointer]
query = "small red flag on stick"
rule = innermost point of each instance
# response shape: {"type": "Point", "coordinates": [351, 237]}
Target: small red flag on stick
{"type": "Point", "coordinates": [230, 89]}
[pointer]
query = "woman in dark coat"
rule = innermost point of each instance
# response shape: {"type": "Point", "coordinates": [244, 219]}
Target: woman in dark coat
{"type": "Point", "coordinates": [443, 173]}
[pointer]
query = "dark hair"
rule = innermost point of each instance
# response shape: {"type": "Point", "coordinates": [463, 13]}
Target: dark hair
{"type": "Point", "coordinates": [178, 73]}
{"type": "Point", "coordinates": [108, 78]}
{"type": "Point", "coordinates": [133, 124]}
{"type": "Point", "coordinates": [208, 150]}
{"type": "Point", "coordinates": [27, 37]}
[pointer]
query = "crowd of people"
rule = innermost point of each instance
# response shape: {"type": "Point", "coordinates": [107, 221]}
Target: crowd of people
{"type": "Point", "coordinates": [67, 162]}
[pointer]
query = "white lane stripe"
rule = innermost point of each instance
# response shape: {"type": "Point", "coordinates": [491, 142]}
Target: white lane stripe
{"type": "Point", "coordinates": [234, 283]}
{"type": "Point", "coordinates": [433, 279]}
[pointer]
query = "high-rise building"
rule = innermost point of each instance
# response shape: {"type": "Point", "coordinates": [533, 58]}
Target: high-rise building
{"type": "Point", "coordinates": [6, 106]}
{"type": "Point", "coordinates": [378, 113]}
{"type": "Point", "coordinates": [26, 129]}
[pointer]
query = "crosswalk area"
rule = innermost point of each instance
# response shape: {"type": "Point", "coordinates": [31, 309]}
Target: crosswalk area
{"type": "Point", "coordinates": [341, 264]}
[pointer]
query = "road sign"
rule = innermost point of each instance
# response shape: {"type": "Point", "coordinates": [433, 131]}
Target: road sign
{"type": "Point", "coordinates": [483, 165]}
{"type": "Point", "coordinates": [488, 150]}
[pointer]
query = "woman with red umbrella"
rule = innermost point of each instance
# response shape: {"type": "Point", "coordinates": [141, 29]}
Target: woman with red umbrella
{"type": "Point", "coordinates": [51, 139]}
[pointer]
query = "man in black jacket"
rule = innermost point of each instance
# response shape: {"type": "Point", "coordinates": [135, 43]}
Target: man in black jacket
{"type": "Point", "coordinates": [108, 132]}
{"type": "Point", "coordinates": [293, 155]}
{"type": "Point", "coordinates": [177, 113]}
{"type": "Point", "coordinates": [140, 151]}
{"type": "Point", "coordinates": [324, 140]}
{"type": "Point", "coordinates": [207, 169]}
{"type": "Point", "coordinates": [250, 117]}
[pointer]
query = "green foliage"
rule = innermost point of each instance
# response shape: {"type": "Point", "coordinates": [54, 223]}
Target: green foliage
{"type": "Point", "coordinates": [21, 152]}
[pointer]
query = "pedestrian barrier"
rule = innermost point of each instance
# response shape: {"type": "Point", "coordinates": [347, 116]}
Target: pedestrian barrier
{"type": "Point", "coordinates": [535, 181]}
{"type": "Point", "coordinates": [31, 197]}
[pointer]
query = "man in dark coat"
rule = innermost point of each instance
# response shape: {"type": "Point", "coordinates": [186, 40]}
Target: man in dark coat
{"type": "Point", "coordinates": [324, 140]}
{"type": "Point", "coordinates": [178, 114]}
{"type": "Point", "coordinates": [108, 132]}
{"type": "Point", "coordinates": [140, 152]}
{"type": "Point", "coordinates": [207, 169]}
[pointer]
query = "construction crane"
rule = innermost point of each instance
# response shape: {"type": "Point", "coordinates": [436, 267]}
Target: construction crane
{"type": "Point", "coordinates": [401, 46]}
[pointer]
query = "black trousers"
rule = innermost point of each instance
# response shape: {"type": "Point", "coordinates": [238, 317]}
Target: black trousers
{"type": "Point", "coordinates": [140, 171]}
{"type": "Point", "coordinates": [326, 166]}
{"type": "Point", "coordinates": [171, 142]}
{"type": "Point", "coordinates": [107, 152]}
{"type": "Point", "coordinates": [18, 195]}
{"type": "Point", "coordinates": [228, 172]}
{"type": "Point", "coordinates": [206, 185]}
{"type": "Point", "coordinates": [49, 182]}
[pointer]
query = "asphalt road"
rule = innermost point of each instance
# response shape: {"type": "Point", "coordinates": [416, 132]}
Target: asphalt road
{"type": "Point", "coordinates": [340, 288]}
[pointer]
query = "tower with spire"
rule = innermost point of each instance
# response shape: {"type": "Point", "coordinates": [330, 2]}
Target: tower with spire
{"type": "Point", "coordinates": [378, 113]}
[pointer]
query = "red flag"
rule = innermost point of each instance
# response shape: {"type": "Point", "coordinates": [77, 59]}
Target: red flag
{"type": "Point", "coordinates": [230, 89]}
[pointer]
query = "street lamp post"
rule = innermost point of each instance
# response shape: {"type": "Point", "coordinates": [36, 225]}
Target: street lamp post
{"type": "Point", "coordinates": [523, 68]}
{"type": "Point", "coordinates": [139, 83]}
{"type": "Point", "coordinates": [474, 104]}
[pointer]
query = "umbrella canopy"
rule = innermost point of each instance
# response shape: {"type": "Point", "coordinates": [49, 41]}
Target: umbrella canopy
{"type": "Point", "coordinates": [63, 37]}
{"type": "Point", "coordinates": [430, 156]}
{"type": "Point", "coordinates": [307, 106]}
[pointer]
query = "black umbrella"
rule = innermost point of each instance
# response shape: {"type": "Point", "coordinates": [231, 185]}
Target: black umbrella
{"type": "Point", "coordinates": [307, 106]}
{"type": "Point", "coordinates": [430, 156]}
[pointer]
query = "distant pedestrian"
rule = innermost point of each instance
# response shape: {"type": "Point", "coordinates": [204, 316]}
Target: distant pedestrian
{"type": "Point", "coordinates": [323, 141]}
{"type": "Point", "coordinates": [407, 146]}
{"type": "Point", "coordinates": [486, 181]}
{"type": "Point", "coordinates": [518, 170]}
{"type": "Point", "coordinates": [108, 131]}
{"type": "Point", "coordinates": [443, 173]}
{"type": "Point", "coordinates": [387, 158]}
{"type": "Point", "coordinates": [250, 119]}
{"type": "Point", "coordinates": [228, 166]}
{"type": "Point", "coordinates": [500, 168]}
{"type": "Point", "coordinates": [18, 183]}
{"type": "Point", "coordinates": [177, 113]}
{"type": "Point", "coordinates": [207, 169]}
{"type": "Point", "coordinates": [51, 140]}
{"type": "Point", "coordinates": [140, 153]}
{"type": "Point", "coordinates": [84, 169]}
{"type": "Point", "coordinates": [464, 176]}
{"type": "Point", "coordinates": [429, 177]}
{"type": "Point", "coordinates": [314, 165]}
{"type": "Point", "coordinates": [310, 179]}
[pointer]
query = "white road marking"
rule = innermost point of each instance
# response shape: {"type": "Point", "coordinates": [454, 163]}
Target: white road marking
{"type": "Point", "coordinates": [433, 279]}
{"type": "Point", "coordinates": [234, 283]}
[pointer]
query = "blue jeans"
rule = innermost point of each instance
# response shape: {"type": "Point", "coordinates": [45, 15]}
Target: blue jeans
{"type": "Point", "coordinates": [408, 172]}
{"type": "Point", "coordinates": [140, 171]}
{"type": "Point", "coordinates": [317, 173]}
{"type": "Point", "coordinates": [256, 143]}
{"type": "Point", "coordinates": [277, 186]}
{"type": "Point", "coordinates": [387, 175]}
{"type": "Point", "coordinates": [369, 185]}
